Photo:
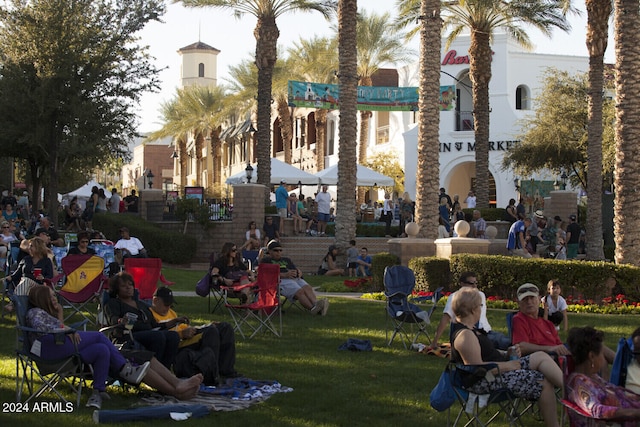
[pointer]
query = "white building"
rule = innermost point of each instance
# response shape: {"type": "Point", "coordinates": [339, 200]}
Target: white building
{"type": "Point", "coordinates": [516, 81]}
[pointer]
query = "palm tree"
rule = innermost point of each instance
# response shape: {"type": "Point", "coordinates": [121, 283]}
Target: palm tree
{"type": "Point", "coordinates": [483, 18]}
{"type": "Point", "coordinates": [598, 13]}
{"type": "Point", "coordinates": [379, 42]}
{"type": "Point", "coordinates": [266, 33]}
{"type": "Point", "coordinates": [315, 60]}
{"type": "Point", "coordinates": [348, 126]}
{"type": "Point", "coordinates": [196, 111]}
{"type": "Point", "coordinates": [427, 182]}
{"type": "Point", "coordinates": [626, 177]}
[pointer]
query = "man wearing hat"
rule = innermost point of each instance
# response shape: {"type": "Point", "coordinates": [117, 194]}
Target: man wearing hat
{"type": "Point", "coordinates": [282, 198]}
{"type": "Point", "coordinates": [531, 332]}
{"type": "Point", "coordinates": [216, 342]}
{"type": "Point", "coordinates": [292, 285]}
{"type": "Point", "coordinates": [573, 237]}
{"type": "Point", "coordinates": [130, 246]}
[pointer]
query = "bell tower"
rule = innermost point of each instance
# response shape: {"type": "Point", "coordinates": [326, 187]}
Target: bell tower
{"type": "Point", "coordinates": [199, 65]}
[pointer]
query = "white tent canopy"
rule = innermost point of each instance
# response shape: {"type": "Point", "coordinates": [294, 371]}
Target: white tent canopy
{"type": "Point", "coordinates": [365, 177]}
{"type": "Point", "coordinates": [83, 193]}
{"type": "Point", "coordinates": [279, 171]}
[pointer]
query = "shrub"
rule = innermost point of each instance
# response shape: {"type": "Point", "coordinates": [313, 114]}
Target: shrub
{"type": "Point", "coordinates": [489, 214]}
{"type": "Point", "coordinates": [170, 246]}
{"type": "Point", "coordinates": [431, 273]}
{"type": "Point", "coordinates": [501, 275]}
{"type": "Point", "coordinates": [379, 262]}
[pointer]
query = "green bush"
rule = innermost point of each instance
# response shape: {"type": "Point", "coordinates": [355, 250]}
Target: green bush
{"type": "Point", "coordinates": [170, 246]}
{"type": "Point", "coordinates": [501, 275]}
{"type": "Point", "coordinates": [489, 214]}
{"type": "Point", "coordinates": [379, 262]}
{"type": "Point", "coordinates": [431, 273]}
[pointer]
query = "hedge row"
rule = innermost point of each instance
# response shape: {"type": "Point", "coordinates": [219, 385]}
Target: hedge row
{"type": "Point", "coordinates": [501, 275]}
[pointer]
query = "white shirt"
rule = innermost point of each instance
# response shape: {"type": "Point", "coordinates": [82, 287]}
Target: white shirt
{"type": "Point", "coordinates": [324, 202]}
{"type": "Point", "coordinates": [470, 201]}
{"type": "Point", "coordinates": [562, 304]}
{"type": "Point", "coordinates": [483, 323]}
{"type": "Point", "coordinates": [132, 244]}
{"type": "Point", "coordinates": [115, 203]}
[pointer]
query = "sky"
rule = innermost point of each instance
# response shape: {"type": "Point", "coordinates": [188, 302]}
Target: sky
{"type": "Point", "coordinates": [234, 38]}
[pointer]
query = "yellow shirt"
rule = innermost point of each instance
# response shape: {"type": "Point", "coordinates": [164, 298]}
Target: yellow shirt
{"type": "Point", "coordinates": [171, 314]}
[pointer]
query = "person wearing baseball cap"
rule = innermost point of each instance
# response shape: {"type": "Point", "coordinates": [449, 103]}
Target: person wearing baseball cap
{"type": "Point", "coordinates": [216, 339]}
{"type": "Point", "coordinates": [292, 285]}
{"type": "Point", "coordinates": [573, 237]}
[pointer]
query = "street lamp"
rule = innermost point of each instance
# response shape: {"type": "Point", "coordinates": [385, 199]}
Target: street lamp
{"type": "Point", "coordinates": [150, 179]}
{"type": "Point", "coordinates": [249, 172]}
{"type": "Point", "coordinates": [174, 155]}
{"type": "Point", "coordinates": [564, 178]}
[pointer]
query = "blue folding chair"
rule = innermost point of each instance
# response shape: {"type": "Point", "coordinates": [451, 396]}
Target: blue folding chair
{"type": "Point", "coordinates": [399, 282]}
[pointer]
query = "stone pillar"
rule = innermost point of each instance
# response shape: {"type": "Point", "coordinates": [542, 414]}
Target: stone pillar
{"type": "Point", "coordinates": [562, 203]}
{"type": "Point", "coordinates": [248, 205]}
{"type": "Point", "coordinates": [151, 204]}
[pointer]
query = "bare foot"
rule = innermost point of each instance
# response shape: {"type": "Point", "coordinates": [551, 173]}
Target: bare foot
{"type": "Point", "coordinates": [188, 388]}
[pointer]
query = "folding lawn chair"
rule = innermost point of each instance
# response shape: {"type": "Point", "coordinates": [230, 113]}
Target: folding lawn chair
{"type": "Point", "coordinates": [52, 373]}
{"type": "Point", "coordinates": [399, 282]}
{"type": "Point", "coordinates": [481, 410]}
{"type": "Point", "coordinates": [264, 313]}
{"type": "Point", "coordinates": [105, 250]}
{"type": "Point", "coordinates": [250, 258]}
{"type": "Point", "coordinates": [10, 266]}
{"type": "Point", "coordinates": [83, 284]}
{"type": "Point", "coordinates": [59, 252]}
{"type": "Point", "coordinates": [146, 273]}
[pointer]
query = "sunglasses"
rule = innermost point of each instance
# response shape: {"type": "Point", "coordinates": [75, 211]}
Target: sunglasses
{"type": "Point", "coordinates": [84, 241]}
{"type": "Point", "coordinates": [276, 250]}
{"type": "Point", "coordinates": [5, 226]}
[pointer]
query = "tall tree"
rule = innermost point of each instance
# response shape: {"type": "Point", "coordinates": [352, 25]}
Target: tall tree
{"type": "Point", "coordinates": [427, 181]}
{"type": "Point", "coordinates": [626, 220]}
{"type": "Point", "coordinates": [562, 105]}
{"type": "Point", "coordinates": [482, 18]}
{"type": "Point", "coordinates": [266, 33]}
{"type": "Point", "coordinates": [598, 13]}
{"type": "Point", "coordinates": [315, 60]}
{"type": "Point", "coordinates": [82, 73]}
{"type": "Point", "coordinates": [348, 127]}
{"type": "Point", "coordinates": [379, 43]}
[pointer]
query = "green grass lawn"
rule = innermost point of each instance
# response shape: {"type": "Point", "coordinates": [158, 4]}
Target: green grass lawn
{"type": "Point", "coordinates": [386, 387]}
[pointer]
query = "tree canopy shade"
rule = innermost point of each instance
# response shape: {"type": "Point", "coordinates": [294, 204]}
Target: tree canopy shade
{"type": "Point", "coordinates": [71, 75]}
{"type": "Point", "coordinates": [563, 108]}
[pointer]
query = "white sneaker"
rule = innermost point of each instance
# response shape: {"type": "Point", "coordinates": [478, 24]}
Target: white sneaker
{"type": "Point", "coordinates": [325, 306]}
{"type": "Point", "coordinates": [318, 307]}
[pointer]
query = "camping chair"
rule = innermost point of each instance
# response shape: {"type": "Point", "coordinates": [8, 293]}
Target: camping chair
{"type": "Point", "coordinates": [624, 356]}
{"type": "Point", "coordinates": [399, 282]}
{"type": "Point", "coordinates": [83, 284]}
{"type": "Point", "coordinates": [10, 266]}
{"type": "Point", "coordinates": [146, 273]}
{"type": "Point", "coordinates": [481, 410]}
{"type": "Point", "coordinates": [59, 252]}
{"type": "Point", "coordinates": [104, 249]}
{"type": "Point", "coordinates": [51, 373]}
{"type": "Point", "coordinates": [264, 313]}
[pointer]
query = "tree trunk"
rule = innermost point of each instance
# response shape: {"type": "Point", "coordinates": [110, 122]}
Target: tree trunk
{"type": "Point", "coordinates": [598, 12]}
{"type": "Point", "coordinates": [266, 34]}
{"type": "Point", "coordinates": [286, 126]}
{"type": "Point", "coordinates": [480, 75]}
{"type": "Point", "coordinates": [199, 140]}
{"type": "Point", "coordinates": [183, 158]}
{"type": "Point", "coordinates": [215, 156]}
{"type": "Point", "coordinates": [427, 179]}
{"type": "Point", "coordinates": [626, 222]}
{"type": "Point", "coordinates": [321, 135]}
{"type": "Point", "coordinates": [348, 126]}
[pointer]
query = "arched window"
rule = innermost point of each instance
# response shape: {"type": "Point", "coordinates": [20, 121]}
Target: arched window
{"type": "Point", "coordinates": [201, 70]}
{"type": "Point", "coordinates": [522, 98]}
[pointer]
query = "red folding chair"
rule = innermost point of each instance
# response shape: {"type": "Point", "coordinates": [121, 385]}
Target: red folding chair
{"type": "Point", "coordinates": [84, 279]}
{"type": "Point", "coordinates": [264, 312]}
{"type": "Point", "coordinates": [146, 273]}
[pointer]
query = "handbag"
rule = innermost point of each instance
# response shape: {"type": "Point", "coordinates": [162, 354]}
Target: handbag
{"type": "Point", "coordinates": [443, 396]}
{"type": "Point", "coordinates": [203, 286]}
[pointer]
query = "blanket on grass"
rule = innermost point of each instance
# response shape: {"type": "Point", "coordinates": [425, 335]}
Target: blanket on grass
{"type": "Point", "coordinates": [239, 393]}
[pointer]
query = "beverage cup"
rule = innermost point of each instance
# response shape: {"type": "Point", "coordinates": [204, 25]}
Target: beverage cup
{"type": "Point", "coordinates": [37, 272]}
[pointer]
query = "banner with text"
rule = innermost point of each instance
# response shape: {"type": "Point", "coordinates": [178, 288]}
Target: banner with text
{"type": "Point", "coordinates": [370, 98]}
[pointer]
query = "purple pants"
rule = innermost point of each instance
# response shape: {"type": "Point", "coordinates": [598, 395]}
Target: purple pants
{"type": "Point", "coordinates": [94, 348]}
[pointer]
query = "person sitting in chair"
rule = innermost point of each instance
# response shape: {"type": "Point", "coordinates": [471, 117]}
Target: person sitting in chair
{"type": "Point", "coordinates": [532, 377]}
{"type": "Point", "coordinates": [130, 246]}
{"type": "Point", "coordinates": [585, 387]}
{"type": "Point", "coordinates": [292, 285]}
{"type": "Point", "coordinates": [229, 270]}
{"type": "Point", "coordinates": [218, 337]}
{"type": "Point", "coordinates": [83, 245]}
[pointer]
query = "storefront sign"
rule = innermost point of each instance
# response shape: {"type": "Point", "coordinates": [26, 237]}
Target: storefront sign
{"type": "Point", "coordinates": [447, 147]}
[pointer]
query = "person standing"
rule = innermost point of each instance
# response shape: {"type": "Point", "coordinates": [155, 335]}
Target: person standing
{"type": "Point", "coordinates": [573, 237]}
{"type": "Point", "coordinates": [479, 225]}
{"type": "Point", "coordinates": [387, 214]}
{"type": "Point", "coordinates": [282, 199]}
{"type": "Point", "coordinates": [443, 193]}
{"type": "Point", "coordinates": [471, 200]}
{"type": "Point", "coordinates": [131, 202]}
{"type": "Point", "coordinates": [323, 200]}
{"type": "Point", "coordinates": [114, 201]}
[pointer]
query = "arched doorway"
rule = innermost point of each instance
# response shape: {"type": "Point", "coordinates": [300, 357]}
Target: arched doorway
{"type": "Point", "coordinates": [462, 177]}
